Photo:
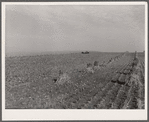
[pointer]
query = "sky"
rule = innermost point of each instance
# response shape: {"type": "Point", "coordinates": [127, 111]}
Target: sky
{"type": "Point", "coordinates": [47, 28]}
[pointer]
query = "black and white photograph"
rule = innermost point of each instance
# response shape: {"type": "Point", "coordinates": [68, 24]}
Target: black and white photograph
{"type": "Point", "coordinates": [74, 58]}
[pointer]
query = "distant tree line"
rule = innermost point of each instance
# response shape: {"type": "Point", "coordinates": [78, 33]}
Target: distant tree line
{"type": "Point", "coordinates": [86, 52]}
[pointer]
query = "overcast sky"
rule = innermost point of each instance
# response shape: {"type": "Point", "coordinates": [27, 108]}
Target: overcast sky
{"type": "Point", "coordinates": [44, 28]}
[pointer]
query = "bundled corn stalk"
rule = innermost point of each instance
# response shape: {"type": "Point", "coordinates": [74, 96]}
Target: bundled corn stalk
{"type": "Point", "coordinates": [96, 65]}
{"type": "Point", "coordinates": [115, 77]}
{"type": "Point", "coordinates": [62, 78]}
{"type": "Point", "coordinates": [121, 79]}
{"type": "Point", "coordinates": [90, 68]}
{"type": "Point", "coordinates": [126, 71]}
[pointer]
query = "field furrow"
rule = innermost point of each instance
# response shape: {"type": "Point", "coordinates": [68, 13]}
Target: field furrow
{"type": "Point", "coordinates": [98, 97]}
{"type": "Point", "coordinates": [107, 101]}
{"type": "Point", "coordinates": [120, 98]}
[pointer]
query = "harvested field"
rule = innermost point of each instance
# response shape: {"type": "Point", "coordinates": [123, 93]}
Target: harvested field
{"type": "Point", "coordinates": [75, 81]}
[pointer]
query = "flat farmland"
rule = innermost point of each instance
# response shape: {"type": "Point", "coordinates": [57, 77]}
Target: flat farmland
{"type": "Point", "coordinates": [75, 81]}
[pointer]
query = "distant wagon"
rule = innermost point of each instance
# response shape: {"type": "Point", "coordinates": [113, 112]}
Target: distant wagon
{"type": "Point", "coordinates": [85, 52]}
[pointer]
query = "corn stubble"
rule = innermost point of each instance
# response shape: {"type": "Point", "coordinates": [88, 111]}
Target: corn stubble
{"type": "Point", "coordinates": [76, 81]}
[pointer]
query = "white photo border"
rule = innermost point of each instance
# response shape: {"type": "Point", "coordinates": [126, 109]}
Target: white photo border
{"type": "Point", "coordinates": [70, 114]}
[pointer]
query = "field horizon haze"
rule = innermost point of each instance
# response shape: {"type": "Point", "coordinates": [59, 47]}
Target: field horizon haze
{"type": "Point", "coordinates": [12, 54]}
